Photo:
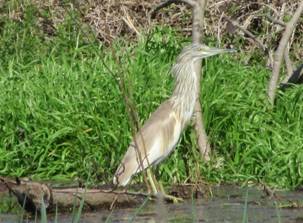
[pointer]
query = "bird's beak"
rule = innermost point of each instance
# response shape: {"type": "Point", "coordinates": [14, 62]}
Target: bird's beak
{"type": "Point", "coordinates": [209, 51]}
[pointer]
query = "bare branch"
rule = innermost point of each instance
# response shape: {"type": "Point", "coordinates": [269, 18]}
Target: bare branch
{"type": "Point", "coordinates": [126, 18]}
{"type": "Point", "coordinates": [270, 60]}
{"type": "Point", "coordinates": [234, 23]}
{"type": "Point", "coordinates": [276, 21]}
{"type": "Point", "coordinates": [288, 63]}
{"type": "Point", "coordinates": [272, 86]}
{"type": "Point", "coordinates": [197, 32]}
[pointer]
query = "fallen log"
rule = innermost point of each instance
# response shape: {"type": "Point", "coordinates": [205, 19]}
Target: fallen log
{"type": "Point", "coordinates": [32, 194]}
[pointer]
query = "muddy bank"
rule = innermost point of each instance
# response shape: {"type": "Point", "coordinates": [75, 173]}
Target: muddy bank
{"type": "Point", "coordinates": [224, 204]}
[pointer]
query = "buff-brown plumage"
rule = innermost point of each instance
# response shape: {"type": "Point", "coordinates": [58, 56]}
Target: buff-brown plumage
{"type": "Point", "coordinates": [161, 132]}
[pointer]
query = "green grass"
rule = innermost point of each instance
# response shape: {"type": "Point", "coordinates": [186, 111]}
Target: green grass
{"type": "Point", "coordinates": [63, 116]}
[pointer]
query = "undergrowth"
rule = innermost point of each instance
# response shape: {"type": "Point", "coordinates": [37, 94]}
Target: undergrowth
{"type": "Point", "coordinates": [63, 116]}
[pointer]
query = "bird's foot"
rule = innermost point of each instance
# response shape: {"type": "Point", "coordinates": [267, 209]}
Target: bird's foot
{"type": "Point", "coordinates": [167, 197]}
{"type": "Point", "coordinates": [171, 198]}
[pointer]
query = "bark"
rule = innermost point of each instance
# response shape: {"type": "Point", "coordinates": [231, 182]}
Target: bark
{"type": "Point", "coordinates": [278, 57]}
{"type": "Point", "coordinates": [30, 194]}
{"type": "Point", "coordinates": [289, 66]}
{"type": "Point", "coordinates": [197, 32]}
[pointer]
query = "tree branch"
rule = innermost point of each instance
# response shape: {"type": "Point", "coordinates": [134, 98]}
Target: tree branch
{"type": "Point", "coordinates": [197, 33]}
{"type": "Point", "coordinates": [276, 21]}
{"type": "Point", "coordinates": [272, 86]}
{"type": "Point", "coordinates": [248, 33]}
{"type": "Point", "coordinates": [289, 66]}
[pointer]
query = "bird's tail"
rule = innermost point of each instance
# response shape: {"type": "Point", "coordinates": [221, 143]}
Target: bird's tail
{"type": "Point", "coordinates": [121, 177]}
{"type": "Point", "coordinates": [129, 166]}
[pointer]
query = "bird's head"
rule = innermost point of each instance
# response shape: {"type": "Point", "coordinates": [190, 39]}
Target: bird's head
{"type": "Point", "coordinates": [197, 51]}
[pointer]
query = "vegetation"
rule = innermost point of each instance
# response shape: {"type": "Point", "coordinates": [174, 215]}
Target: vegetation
{"type": "Point", "coordinates": [63, 116]}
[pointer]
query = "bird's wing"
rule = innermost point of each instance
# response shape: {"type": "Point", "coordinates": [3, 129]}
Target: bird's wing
{"type": "Point", "coordinates": [152, 143]}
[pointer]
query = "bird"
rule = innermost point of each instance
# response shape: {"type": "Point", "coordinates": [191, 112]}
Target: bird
{"type": "Point", "coordinates": [160, 134]}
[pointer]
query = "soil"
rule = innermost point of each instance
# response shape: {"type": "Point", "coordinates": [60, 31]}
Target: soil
{"type": "Point", "coordinates": [227, 204]}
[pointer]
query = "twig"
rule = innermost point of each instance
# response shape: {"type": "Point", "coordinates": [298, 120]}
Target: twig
{"type": "Point", "coordinates": [289, 66]}
{"type": "Point", "coordinates": [131, 111]}
{"type": "Point", "coordinates": [248, 33]}
{"type": "Point", "coordinates": [219, 29]}
{"type": "Point", "coordinates": [276, 21]}
{"type": "Point", "coordinates": [271, 193]}
{"type": "Point", "coordinates": [92, 191]}
{"type": "Point", "coordinates": [270, 60]}
{"type": "Point", "coordinates": [91, 207]}
{"type": "Point", "coordinates": [272, 86]}
{"type": "Point", "coordinates": [169, 2]}
{"type": "Point", "coordinates": [113, 203]}
{"type": "Point", "coordinates": [129, 22]}
{"type": "Point", "coordinates": [132, 115]}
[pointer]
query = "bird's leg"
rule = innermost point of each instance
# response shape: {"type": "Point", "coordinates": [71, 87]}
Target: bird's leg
{"type": "Point", "coordinates": [151, 180]}
{"type": "Point", "coordinates": [158, 188]}
{"type": "Point", "coordinates": [169, 197]}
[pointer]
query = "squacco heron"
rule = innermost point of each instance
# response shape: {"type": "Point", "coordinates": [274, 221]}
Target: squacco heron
{"type": "Point", "coordinates": [160, 134]}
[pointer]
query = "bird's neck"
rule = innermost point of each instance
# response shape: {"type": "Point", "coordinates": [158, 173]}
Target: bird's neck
{"type": "Point", "coordinates": [185, 91]}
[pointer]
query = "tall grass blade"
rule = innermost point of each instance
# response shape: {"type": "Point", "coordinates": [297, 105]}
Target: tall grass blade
{"type": "Point", "coordinates": [108, 219]}
{"type": "Point", "coordinates": [79, 212]}
{"type": "Point", "coordinates": [278, 212]}
{"type": "Point", "coordinates": [245, 214]}
{"type": "Point", "coordinates": [22, 210]}
{"type": "Point", "coordinates": [194, 209]}
{"type": "Point", "coordinates": [43, 212]}
{"type": "Point", "coordinates": [137, 211]}
{"type": "Point", "coordinates": [56, 214]}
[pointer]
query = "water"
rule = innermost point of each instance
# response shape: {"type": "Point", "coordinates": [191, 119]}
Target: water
{"type": "Point", "coordinates": [226, 205]}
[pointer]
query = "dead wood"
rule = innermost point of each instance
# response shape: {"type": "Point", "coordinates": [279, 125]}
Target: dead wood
{"type": "Point", "coordinates": [198, 8]}
{"type": "Point", "coordinates": [289, 66]}
{"type": "Point", "coordinates": [30, 195]}
{"type": "Point", "coordinates": [248, 33]}
{"type": "Point", "coordinates": [275, 21]}
{"type": "Point", "coordinates": [197, 33]}
{"type": "Point", "coordinates": [272, 86]}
